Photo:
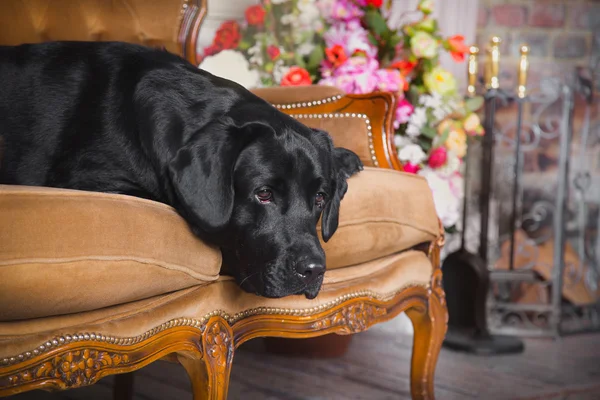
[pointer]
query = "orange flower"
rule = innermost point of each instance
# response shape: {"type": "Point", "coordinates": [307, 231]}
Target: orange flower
{"type": "Point", "coordinates": [336, 55]}
{"type": "Point", "coordinates": [458, 48]}
{"type": "Point", "coordinates": [296, 76]}
{"type": "Point", "coordinates": [404, 66]}
{"type": "Point", "coordinates": [255, 15]}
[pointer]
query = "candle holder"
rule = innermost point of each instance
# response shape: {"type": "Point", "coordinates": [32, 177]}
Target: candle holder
{"type": "Point", "coordinates": [541, 276]}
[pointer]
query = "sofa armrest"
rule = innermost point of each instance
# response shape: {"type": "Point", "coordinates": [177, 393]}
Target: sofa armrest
{"type": "Point", "coordinates": [361, 123]}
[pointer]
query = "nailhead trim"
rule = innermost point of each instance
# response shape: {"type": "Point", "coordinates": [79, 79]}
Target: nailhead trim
{"type": "Point", "coordinates": [331, 99]}
{"type": "Point", "coordinates": [197, 323]}
{"type": "Point", "coordinates": [347, 115]}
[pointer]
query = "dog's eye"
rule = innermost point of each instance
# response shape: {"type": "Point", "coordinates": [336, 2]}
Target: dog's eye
{"type": "Point", "coordinates": [320, 200]}
{"type": "Point", "coordinates": [264, 195]}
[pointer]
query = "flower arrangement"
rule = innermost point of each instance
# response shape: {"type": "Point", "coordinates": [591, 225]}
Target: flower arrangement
{"type": "Point", "coordinates": [351, 45]}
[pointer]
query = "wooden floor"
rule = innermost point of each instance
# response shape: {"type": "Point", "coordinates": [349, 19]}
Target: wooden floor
{"type": "Point", "coordinates": [377, 367]}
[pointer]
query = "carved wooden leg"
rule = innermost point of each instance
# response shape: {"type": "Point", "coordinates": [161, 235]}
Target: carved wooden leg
{"type": "Point", "coordinates": [210, 374]}
{"type": "Point", "coordinates": [430, 325]}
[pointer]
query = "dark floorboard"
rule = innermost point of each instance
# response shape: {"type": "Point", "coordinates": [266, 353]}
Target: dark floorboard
{"type": "Point", "coordinates": [377, 366]}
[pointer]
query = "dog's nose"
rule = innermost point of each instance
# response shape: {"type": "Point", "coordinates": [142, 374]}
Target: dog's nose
{"type": "Point", "coordinates": [310, 272]}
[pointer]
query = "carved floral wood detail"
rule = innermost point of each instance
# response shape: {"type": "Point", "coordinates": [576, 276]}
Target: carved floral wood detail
{"type": "Point", "coordinates": [352, 318]}
{"type": "Point", "coordinates": [73, 368]}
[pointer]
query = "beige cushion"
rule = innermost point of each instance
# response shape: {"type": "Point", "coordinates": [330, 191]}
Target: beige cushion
{"type": "Point", "coordinates": [65, 251]}
{"type": "Point", "coordinates": [383, 212]}
{"type": "Point", "coordinates": [381, 279]}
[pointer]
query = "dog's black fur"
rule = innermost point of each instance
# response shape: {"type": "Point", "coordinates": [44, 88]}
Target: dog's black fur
{"type": "Point", "coordinates": [121, 118]}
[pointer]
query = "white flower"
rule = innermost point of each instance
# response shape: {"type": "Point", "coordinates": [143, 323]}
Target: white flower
{"type": "Point", "coordinates": [445, 196]}
{"type": "Point", "coordinates": [304, 4]}
{"type": "Point", "coordinates": [279, 1]}
{"type": "Point", "coordinates": [439, 113]}
{"type": "Point", "coordinates": [418, 117]}
{"type": "Point", "coordinates": [431, 101]}
{"type": "Point", "coordinates": [287, 19]}
{"type": "Point", "coordinates": [232, 65]}
{"type": "Point", "coordinates": [413, 153]}
{"type": "Point", "coordinates": [413, 131]}
{"type": "Point", "coordinates": [400, 141]}
{"type": "Point", "coordinates": [305, 48]}
{"type": "Point", "coordinates": [308, 14]}
{"type": "Point", "coordinates": [452, 164]}
{"type": "Point", "coordinates": [279, 71]}
{"type": "Point", "coordinates": [256, 54]}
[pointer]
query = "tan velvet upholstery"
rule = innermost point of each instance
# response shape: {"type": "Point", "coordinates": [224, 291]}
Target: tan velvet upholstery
{"type": "Point", "coordinates": [383, 212]}
{"type": "Point", "coordinates": [168, 24]}
{"type": "Point", "coordinates": [120, 248]}
{"type": "Point", "coordinates": [383, 277]}
{"type": "Point", "coordinates": [148, 22]}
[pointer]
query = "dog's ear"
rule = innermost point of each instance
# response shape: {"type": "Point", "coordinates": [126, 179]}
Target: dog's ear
{"type": "Point", "coordinates": [345, 164]}
{"type": "Point", "coordinates": [201, 173]}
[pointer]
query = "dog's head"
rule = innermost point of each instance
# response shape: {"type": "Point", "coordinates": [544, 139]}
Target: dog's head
{"type": "Point", "coordinates": [258, 190]}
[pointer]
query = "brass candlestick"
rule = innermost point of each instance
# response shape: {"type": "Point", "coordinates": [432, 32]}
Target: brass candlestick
{"type": "Point", "coordinates": [523, 68]}
{"type": "Point", "coordinates": [472, 70]}
{"type": "Point", "coordinates": [493, 64]}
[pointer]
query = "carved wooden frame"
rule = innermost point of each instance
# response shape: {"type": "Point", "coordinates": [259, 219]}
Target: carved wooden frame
{"type": "Point", "coordinates": [193, 13]}
{"type": "Point", "coordinates": [205, 347]}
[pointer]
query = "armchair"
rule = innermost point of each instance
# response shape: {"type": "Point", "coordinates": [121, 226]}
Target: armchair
{"type": "Point", "coordinates": [95, 284]}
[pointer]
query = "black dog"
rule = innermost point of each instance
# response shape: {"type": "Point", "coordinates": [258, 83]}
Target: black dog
{"type": "Point", "coordinates": [121, 118]}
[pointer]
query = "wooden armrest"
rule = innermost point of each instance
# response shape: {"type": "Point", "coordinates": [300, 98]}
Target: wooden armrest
{"type": "Point", "coordinates": [361, 123]}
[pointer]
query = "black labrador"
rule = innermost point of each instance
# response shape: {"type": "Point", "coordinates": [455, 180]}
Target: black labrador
{"type": "Point", "coordinates": [122, 118]}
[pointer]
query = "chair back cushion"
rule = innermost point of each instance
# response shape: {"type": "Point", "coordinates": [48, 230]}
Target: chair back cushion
{"type": "Point", "coordinates": [154, 23]}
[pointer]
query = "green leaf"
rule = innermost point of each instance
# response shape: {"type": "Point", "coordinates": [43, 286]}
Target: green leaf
{"type": "Point", "coordinates": [315, 58]}
{"type": "Point", "coordinates": [425, 144]}
{"type": "Point", "coordinates": [429, 132]}
{"type": "Point", "coordinates": [376, 22]}
{"type": "Point", "coordinates": [440, 140]}
{"type": "Point", "coordinates": [372, 39]}
{"type": "Point", "coordinates": [244, 45]}
{"type": "Point", "coordinates": [473, 104]}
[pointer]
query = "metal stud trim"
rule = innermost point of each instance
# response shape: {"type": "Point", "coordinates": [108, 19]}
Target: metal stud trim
{"type": "Point", "coordinates": [199, 323]}
{"type": "Point", "coordinates": [347, 115]}
{"type": "Point", "coordinates": [290, 106]}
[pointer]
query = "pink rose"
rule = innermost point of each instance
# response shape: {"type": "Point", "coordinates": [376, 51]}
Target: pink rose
{"type": "Point", "coordinates": [438, 157]}
{"type": "Point", "coordinates": [411, 168]}
{"type": "Point", "coordinates": [403, 113]}
{"type": "Point", "coordinates": [389, 80]}
{"type": "Point", "coordinates": [345, 10]}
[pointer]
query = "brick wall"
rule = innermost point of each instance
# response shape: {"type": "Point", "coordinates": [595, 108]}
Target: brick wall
{"type": "Point", "coordinates": [560, 33]}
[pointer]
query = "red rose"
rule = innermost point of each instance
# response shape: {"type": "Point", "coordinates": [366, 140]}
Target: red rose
{"type": "Point", "coordinates": [438, 157]}
{"type": "Point", "coordinates": [227, 36]}
{"type": "Point", "coordinates": [458, 48]}
{"type": "Point", "coordinates": [211, 50]}
{"type": "Point", "coordinates": [336, 55]}
{"type": "Point", "coordinates": [411, 168]}
{"type": "Point", "coordinates": [296, 76]}
{"type": "Point", "coordinates": [375, 3]}
{"type": "Point", "coordinates": [255, 15]}
{"type": "Point", "coordinates": [273, 52]}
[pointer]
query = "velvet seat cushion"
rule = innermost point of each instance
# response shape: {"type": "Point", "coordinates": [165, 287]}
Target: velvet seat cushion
{"type": "Point", "coordinates": [66, 251]}
{"type": "Point", "coordinates": [380, 279]}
